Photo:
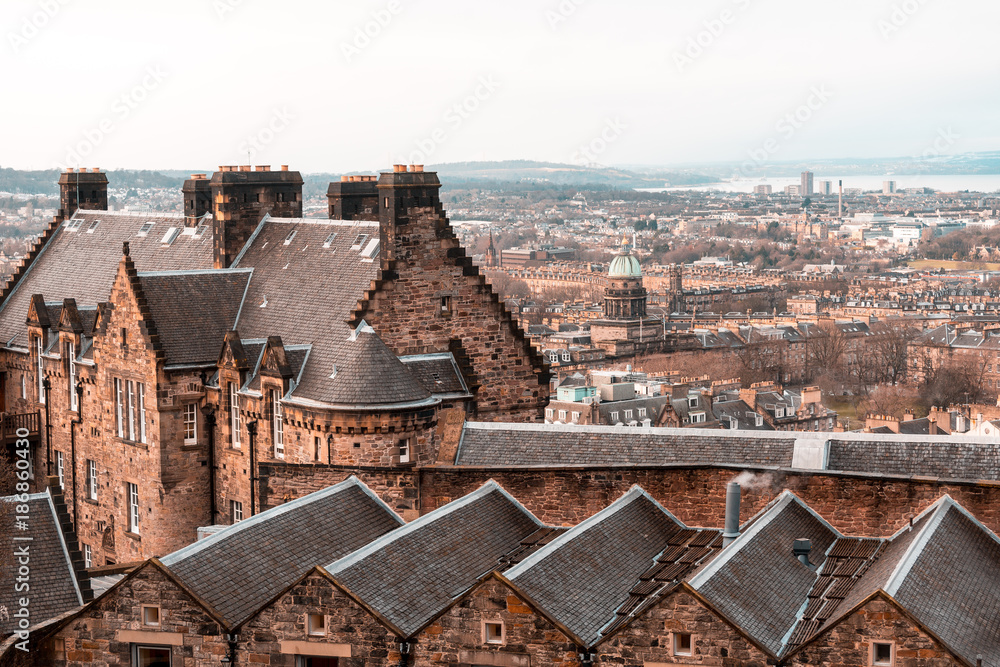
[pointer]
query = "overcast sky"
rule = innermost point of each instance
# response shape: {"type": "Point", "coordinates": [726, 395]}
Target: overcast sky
{"type": "Point", "coordinates": [328, 85]}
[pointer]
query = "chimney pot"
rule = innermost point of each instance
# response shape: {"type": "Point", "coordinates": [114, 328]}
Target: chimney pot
{"type": "Point", "coordinates": [732, 525]}
{"type": "Point", "coordinates": [344, 179]}
{"type": "Point", "coordinates": [95, 170]}
{"type": "Point", "coordinates": [284, 167]}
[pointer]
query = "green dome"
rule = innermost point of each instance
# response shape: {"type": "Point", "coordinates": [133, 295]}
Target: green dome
{"type": "Point", "coordinates": [625, 266]}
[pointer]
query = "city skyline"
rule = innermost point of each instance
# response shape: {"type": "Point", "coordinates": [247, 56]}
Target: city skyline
{"type": "Point", "coordinates": [336, 88]}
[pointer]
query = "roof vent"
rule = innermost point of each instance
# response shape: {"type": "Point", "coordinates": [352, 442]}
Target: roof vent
{"type": "Point", "coordinates": [291, 235]}
{"type": "Point", "coordinates": [801, 548]}
{"type": "Point", "coordinates": [329, 240]}
{"type": "Point", "coordinates": [334, 373]}
{"type": "Point", "coordinates": [171, 234]}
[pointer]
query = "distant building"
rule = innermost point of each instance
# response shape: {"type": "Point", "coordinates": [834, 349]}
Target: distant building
{"type": "Point", "coordinates": [793, 190]}
{"type": "Point", "coordinates": [825, 188]}
{"type": "Point", "coordinates": [806, 185]}
{"type": "Point", "coordinates": [888, 187]}
{"type": "Point", "coordinates": [762, 189]}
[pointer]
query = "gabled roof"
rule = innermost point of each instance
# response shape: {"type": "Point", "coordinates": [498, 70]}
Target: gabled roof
{"type": "Point", "coordinates": [596, 574]}
{"type": "Point", "coordinates": [82, 265]}
{"type": "Point", "coordinates": [240, 568]}
{"type": "Point", "coordinates": [54, 589]}
{"type": "Point", "coordinates": [757, 583]}
{"type": "Point", "coordinates": [308, 276]}
{"type": "Point", "coordinates": [409, 576]}
{"type": "Point", "coordinates": [193, 310]}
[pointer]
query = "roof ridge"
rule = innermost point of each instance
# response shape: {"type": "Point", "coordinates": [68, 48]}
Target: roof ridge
{"type": "Point", "coordinates": [916, 547]}
{"type": "Point", "coordinates": [486, 489]}
{"type": "Point", "coordinates": [196, 547]}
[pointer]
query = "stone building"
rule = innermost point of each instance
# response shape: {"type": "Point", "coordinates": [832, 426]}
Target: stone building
{"type": "Point", "coordinates": [157, 360]}
{"type": "Point", "coordinates": [482, 581]}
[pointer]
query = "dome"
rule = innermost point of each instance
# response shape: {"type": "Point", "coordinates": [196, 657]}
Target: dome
{"type": "Point", "coordinates": [625, 266]}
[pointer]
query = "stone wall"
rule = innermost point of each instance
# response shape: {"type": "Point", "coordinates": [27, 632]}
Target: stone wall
{"type": "Point", "coordinates": [431, 298]}
{"type": "Point", "coordinates": [105, 632]}
{"type": "Point", "coordinates": [649, 638]}
{"type": "Point", "coordinates": [457, 636]}
{"type": "Point", "coordinates": [850, 641]}
{"type": "Point", "coordinates": [349, 628]}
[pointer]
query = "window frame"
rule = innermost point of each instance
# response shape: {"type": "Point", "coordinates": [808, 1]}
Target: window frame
{"type": "Point", "coordinates": [71, 375]}
{"type": "Point", "coordinates": [119, 408]}
{"type": "Point", "coordinates": [313, 630]}
{"type": "Point", "coordinates": [277, 424]}
{"type": "Point", "coordinates": [235, 424]}
{"type": "Point", "coordinates": [190, 425]}
{"type": "Point", "coordinates": [873, 653]}
{"type": "Point", "coordinates": [235, 511]}
{"type": "Point", "coordinates": [157, 647]}
{"type": "Point", "coordinates": [61, 469]}
{"type": "Point", "coordinates": [91, 479]}
{"type": "Point", "coordinates": [489, 638]}
{"type": "Point", "coordinates": [159, 616]}
{"type": "Point", "coordinates": [40, 369]}
{"type": "Point", "coordinates": [404, 450]}
{"type": "Point", "coordinates": [132, 493]}
{"type": "Point", "coordinates": [675, 642]}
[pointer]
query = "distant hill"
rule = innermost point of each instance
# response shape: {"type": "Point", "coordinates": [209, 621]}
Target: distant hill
{"type": "Point", "coordinates": [46, 182]}
{"type": "Point", "coordinates": [984, 162]}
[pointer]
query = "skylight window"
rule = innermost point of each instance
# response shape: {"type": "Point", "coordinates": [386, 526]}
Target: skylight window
{"type": "Point", "coordinates": [358, 242]}
{"type": "Point", "coordinates": [93, 226]}
{"type": "Point", "coordinates": [171, 234]}
{"type": "Point", "coordinates": [200, 230]}
{"type": "Point", "coordinates": [73, 224]}
{"type": "Point", "coordinates": [329, 240]}
{"type": "Point", "coordinates": [371, 249]}
{"type": "Point", "coordinates": [291, 235]}
{"type": "Point", "coordinates": [145, 229]}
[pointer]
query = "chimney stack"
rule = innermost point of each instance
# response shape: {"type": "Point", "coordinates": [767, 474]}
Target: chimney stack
{"type": "Point", "coordinates": [801, 548]}
{"type": "Point", "coordinates": [732, 526]}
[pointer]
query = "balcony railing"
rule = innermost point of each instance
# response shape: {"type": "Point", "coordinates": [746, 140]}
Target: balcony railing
{"type": "Point", "coordinates": [10, 424]}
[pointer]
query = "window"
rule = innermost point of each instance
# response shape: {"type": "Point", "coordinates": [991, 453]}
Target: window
{"type": "Point", "coordinates": [316, 624]}
{"type": "Point", "coordinates": [141, 390]}
{"type": "Point", "coordinates": [24, 385]}
{"type": "Point", "coordinates": [576, 417]}
{"type": "Point", "coordinates": [88, 560]}
{"type": "Point", "coordinates": [882, 653]}
{"type": "Point", "coordinates": [358, 242]}
{"type": "Point", "coordinates": [150, 615]}
{"type": "Point", "coordinates": [130, 408]}
{"type": "Point", "coordinates": [150, 656]}
{"type": "Point", "coordinates": [566, 356]}
{"type": "Point", "coordinates": [171, 234]}
{"type": "Point", "coordinates": [697, 417]}
{"type": "Point", "coordinates": [329, 240]}
{"type": "Point", "coordinates": [279, 427]}
{"type": "Point", "coordinates": [642, 412]}
{"type": "Point", "coordinates": [628, 414]}
{"type": "Point", "coordinates": [682, 643]}
{"type": "Point", "coordinates": [119, 415]}
{"type": "Point", "coordinates": [317, 448]}
{"type": "Point", "coordinates": [404, 451]}
{"type": "Point", "coordinates": [493, 632]}
{"type": "Point", "coordinates": [562, 415]}
{"type": "Point", "coordinates": [133, 507]}
{"type": "Point", "coordinates": [71, 374]}
{"type": "Point", "coordinates": [692, 401]}
{"type": "Point", "coordinates": [40, 370]}
{"type": "Point", "coordinates": [291, 235]}
{"type": "Point", "coordinates": [614, 417]}
{"type": "Point", "coordinates": [145, 229]}
{"type": "Point", "coordinates": [190, 416]}
{"type": "Point", "coordinates": [234, 413]}
{"type": "Point", "coordinates": [59, 470]}
{"type": "Point", "coordinates": [446, 304]}
{"type": "Point", "coordinates": [548, 413]}
{"type": "Point", "coordinates": [92, 480]}
{"type": "Point", "coordinates": [236, 510]}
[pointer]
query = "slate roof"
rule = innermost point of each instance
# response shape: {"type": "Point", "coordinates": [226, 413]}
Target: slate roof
{"type": "Point", "coordinates": [757, 583]}
{"type": "Point", "coordinates": [504, 445]}
{"type": "Point", "coordinates": [54, 588]}
{"type": "Point", "coordinates": [193, 311]}
{"type": "Point", "coordinates": [586, 576]}
{"type": "Point", "coordinates": [304, 291]}
{"type": "Point", "coordinates": [437, 373]}
{"type": "Point", "coordinates": [240, 568]}
{"type": "Point", "coordinates": [948, 582]}
{"type": "Point", "coordinates": [743, 414]}
{"type": "Point", "coordinates": [934, 456]}
{"type": "Point", "coordinates": [81, 265]}
{"type": "Point", "coordinates": [412, 574]}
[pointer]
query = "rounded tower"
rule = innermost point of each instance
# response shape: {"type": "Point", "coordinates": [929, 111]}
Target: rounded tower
{"type": "Point", "coordinates": [625, 297]}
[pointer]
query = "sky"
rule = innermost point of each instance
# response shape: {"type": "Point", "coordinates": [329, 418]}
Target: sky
{"type": "Point", "coordinates": [335, 86]}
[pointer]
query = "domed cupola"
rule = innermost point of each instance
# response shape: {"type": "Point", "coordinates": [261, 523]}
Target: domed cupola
{"type": "Point", "coordinates": [625, 297]}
